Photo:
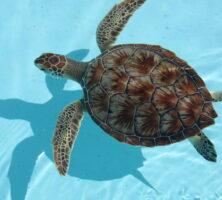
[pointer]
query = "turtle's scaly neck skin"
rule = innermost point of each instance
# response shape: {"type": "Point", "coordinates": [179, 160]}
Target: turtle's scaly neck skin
{"type": "Point", "coordinates": [59, 65]}
{"type": "Point", "coordinates": [74, 70]}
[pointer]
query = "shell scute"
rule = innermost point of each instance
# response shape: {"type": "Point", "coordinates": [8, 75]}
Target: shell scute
{"type": "Point", "coordinates": [199, 82]}
{"type": "Point", "coordinates": [141, 63]}
{"type": "Point", "coordinates": [180, 61]}
{"type": "Point", "coordinates": [154, 47]}
{"type": "Point", "coordinates": [161, 141]}
{"type": "Point", "coordinates": [117, 57]}
{"type": "Point", "coordinates": [177, 137]}
{"type": "Point", "coordinates": [118, 136]}
{"type": "Point", "coordinates": [147, 120]}
{"type": "Point", "coordinates": [114, 80]}
{"type": "Point", "coordinates": [189, 109]}
{"type": "Point", "coordinates": [161, 98]}
{"type": "Point", "coordinates": [94, 73]}
{"type": "Point", "coordinates": [209, 110]}
{"type": "Point", "coordinates": [168, 53]}
{"type": "Point", "coordinates": [140, 89]}
{"type": "Point", "coordinates": [170, 123]}
{"type": "Point", "coordinates": [185, 86]}
{"type": "Point", "coordinates": [166, 73]}
{"type": "Point", "coordinates": [204, 121]}
{"type": "Point", "coordinates": [190, 71]}
{"type": "Point", "coordinates": [149, 142]}
{"type": "Point", "coordinates": [206, 94]}
{"type": "Point", "coordinates": [121, 112]}
{"type": "Point", "coordinates": [133, 140]}
{"type": "Point", "coordinates": [99, 102]}
{"type": "Point", "coordinates": [107, 129]}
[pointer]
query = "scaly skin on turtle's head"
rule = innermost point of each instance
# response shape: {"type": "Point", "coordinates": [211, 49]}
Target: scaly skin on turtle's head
{"type": "Point", "coordinates": [59, 65]}
{"type": "Point", "coordinates": [53, 64]}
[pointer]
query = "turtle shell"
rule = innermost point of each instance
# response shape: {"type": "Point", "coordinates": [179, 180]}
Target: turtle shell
{"type": "Point", "coordinates": [145, 95]}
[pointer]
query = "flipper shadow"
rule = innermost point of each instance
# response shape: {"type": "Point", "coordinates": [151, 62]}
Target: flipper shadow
{"type": "Point", "coordinates": [96, 155]}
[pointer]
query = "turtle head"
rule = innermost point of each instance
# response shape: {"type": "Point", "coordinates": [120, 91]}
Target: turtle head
{"type": "Point", "coordinates": [53, 64]}
{"type": "Point", "coordinates": [59, 65]}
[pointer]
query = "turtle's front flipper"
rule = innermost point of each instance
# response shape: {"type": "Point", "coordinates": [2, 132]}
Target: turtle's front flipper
{"type": "Point", "coordinates": [67, 128]}
{"type": "Point", "coordinates": [217, 96]}
{"type": "Point", "coordinates": [204, 146]}
{"type": "Point", "coordinates": [113, 23]}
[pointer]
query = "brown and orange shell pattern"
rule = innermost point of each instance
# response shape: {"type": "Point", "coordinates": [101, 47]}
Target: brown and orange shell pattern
{"type": "Point", "coordinates": [145, 95]}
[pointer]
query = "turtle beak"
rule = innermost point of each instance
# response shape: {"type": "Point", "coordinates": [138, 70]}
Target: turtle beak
{"type": "Point", "coordinates": [39, 63]}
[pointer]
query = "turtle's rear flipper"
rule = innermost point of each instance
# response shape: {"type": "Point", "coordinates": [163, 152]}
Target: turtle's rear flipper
{"type": "Point", "coordinates": [67, 128]}
{"type": "Point", "coordinates": [204, 146]}
{"type": "Point", "coordinates": [113, 23]}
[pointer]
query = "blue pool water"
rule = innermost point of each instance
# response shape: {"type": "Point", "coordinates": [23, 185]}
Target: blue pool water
{"type": "Point", "coordinates": [101, 167]}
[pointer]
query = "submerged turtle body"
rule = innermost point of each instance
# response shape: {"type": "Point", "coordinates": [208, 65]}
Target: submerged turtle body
{"type": "Point", "coordinates": [139, 94]}
{"type": "Point", "coordinates": [145, 95]}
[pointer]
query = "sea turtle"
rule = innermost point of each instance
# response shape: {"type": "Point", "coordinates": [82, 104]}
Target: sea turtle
{"type": "Point", "coordinates": [139, 94]}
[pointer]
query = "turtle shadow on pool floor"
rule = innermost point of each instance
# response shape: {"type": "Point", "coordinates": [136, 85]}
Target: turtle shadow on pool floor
{"type": "Point", "coordinates": [96, 156]}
